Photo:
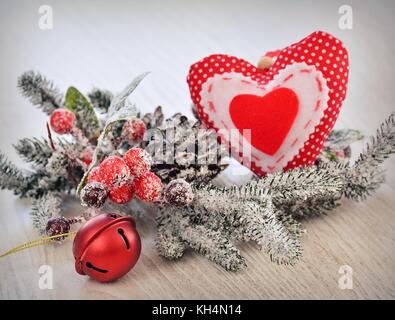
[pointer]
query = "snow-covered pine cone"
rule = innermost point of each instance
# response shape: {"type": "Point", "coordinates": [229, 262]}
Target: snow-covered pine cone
{"type": "Point", "coordinates": [184, 149]}
{"type": "Point", "coordinates": [153, 120]}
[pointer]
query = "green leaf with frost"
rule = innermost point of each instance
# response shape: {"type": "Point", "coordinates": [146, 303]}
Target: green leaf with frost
{"type": "Point", "coordinates": [86, 117]}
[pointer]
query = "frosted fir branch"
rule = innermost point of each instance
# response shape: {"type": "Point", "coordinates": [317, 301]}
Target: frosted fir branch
{"type": "Point", "coordinates": [43, 209]}
{"type": "Point", "coordinates": [40, 91]}
{"type": "Point", "coordinates": [226, 200]}
{"type": "Point", "coordinates": [249, 216]}
{"type": "Point", "coordinates": [168, 243]}
{"type": "Point", "coordinates": [311, 207]}
{"type": "Point", "coordinates": [30, 184]}
{"type": "Point", "coordinates": [178, 226]}
{"type": "Point", "coordinates": [366, 175]}
{"type": "Point", "coordinates": [300, 184]}
{"type": "Point", "coordinates": [217, 218]}
{"type": "Point", "coordinates": [304, 191]}
{"type": "Point", "coordinates": [63, 163]}
{"type": "Point", "coordinates": [209, 242]}
{"type": "Point", "coordinates": [262, 211]}
{"type": "Point", "coordinates": [381, 146]}
{"type": "Point", "coordinates": [214, 246]}
{"type": "Point", "coordinates": [363, 182]}
{"type": "Point", "coordinates": [40, 183]}
{"type": "Point", "coordinates": [11, 177]}
{"type": "Point", "coordinates": [318, 189]}
{"type": "Point", "coordinates": [100, 99]}
{"type": "Point", "coordinates": [293, 226]}
{"type": "Point", "coordinates": [34, 150]}
{"type": "Point", "coordinates": [57, 164]}
{"type": "Point", "coordinates": [260, 224]}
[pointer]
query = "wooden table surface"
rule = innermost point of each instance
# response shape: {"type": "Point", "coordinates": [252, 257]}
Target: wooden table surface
{"type": "Point", "coordinates": [107, 43]}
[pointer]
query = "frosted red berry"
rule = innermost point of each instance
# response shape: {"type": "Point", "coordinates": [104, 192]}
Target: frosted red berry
{"type": "Point", "coordinates": [147, 187]}
{"type": "Point", "coordinates": [114, 171]}
{"type": "Point", "coordinates": [138, 161]}
{"type": "Point", "coordinates": [94, 175]}
{"type": "Point", "coordinates": [86, 156]}
{"type": "Point", "coordinates": [178, 192]}
{"type": "Point", "coordinates": [122, 194]}
{"type": "Point", "coordinates": [133, 130]}
{"type": "Point", "coordinates": [56, 226]}
{"type": "Point", "coordinates": [94, 194]}
{"type": "Point", "coordinates": [62, 121]}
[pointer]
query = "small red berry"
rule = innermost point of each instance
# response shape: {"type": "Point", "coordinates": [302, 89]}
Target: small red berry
{"type": "Point", "coordinates": [138, 161]}
{"type": "Point", "coordinates": [86, 156]}
{"type": "Point", "coordinates": [178, 192]}
{"type": "Point", "coordinates": [94, 194]}
{"type": "Point", "coordinates": [133, 130]}
{"type": "Point", "coordinates": [122, 194]}
{"type": "Point", "coordinates": [114, 171]}
{"type": "Point", "coordinates": [57, 226]}
{"type": "Point", "coordinates": [94, 175]}
{"type": "Point", "coordinates": [147, 187]}
{"type": "Point", "coordinates": [62, 121]}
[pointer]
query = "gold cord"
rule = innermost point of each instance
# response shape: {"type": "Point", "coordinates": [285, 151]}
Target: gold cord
{"type": "Point", "coordinates": [35, 243]}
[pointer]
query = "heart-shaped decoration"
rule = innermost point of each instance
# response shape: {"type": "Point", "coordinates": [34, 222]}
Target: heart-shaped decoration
{"type": "Point", "coordinates": [282, 115]}
{"type": "Point", "coordinates": [260, 115]}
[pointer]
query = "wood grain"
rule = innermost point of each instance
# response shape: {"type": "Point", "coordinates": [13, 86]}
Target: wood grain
{"type": "Point", "coordinates": [106, 44]}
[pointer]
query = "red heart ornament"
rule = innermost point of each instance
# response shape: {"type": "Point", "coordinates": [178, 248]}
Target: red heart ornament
{"type": "Point", "coordinates": [260, 114]}
{"type": "Point", "coordinates": [282, 130]}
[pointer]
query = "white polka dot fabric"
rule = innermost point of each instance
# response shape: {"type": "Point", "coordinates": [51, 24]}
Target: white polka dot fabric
{"type": "Point", "coordinates": [321, 53]}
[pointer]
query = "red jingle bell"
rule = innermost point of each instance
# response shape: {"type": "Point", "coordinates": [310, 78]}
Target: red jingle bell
{"type": "Point", "coordinates": [106, 247]}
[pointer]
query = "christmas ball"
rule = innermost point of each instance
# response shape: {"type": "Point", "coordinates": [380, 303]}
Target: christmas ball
{"type": "Point", "coordinates": [62, 121]}
{"type": "Point", "coordinates": [94, 194]}
{"type": "Point", "coordinates": [56, 226]}
{"type": "Point", "coordinates": [133, 130]}
{"type": "Point", "coordinates": [147, 187]}
{"type": "Point", "coordinates": [106, 247]}
{"type": "Point", "coordinates": [138, 160]}
{"type": "Point", "coordinates": [122, 194]}
{"type": "Point", "coordinates": [178, 192]}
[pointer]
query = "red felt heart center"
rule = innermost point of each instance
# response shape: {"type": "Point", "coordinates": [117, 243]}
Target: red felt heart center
{"type": "Point", "coordinates": [269, 117]}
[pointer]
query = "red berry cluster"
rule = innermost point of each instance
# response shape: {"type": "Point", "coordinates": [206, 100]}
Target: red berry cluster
{"type": "Point", "coordinates": [122, 178]}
